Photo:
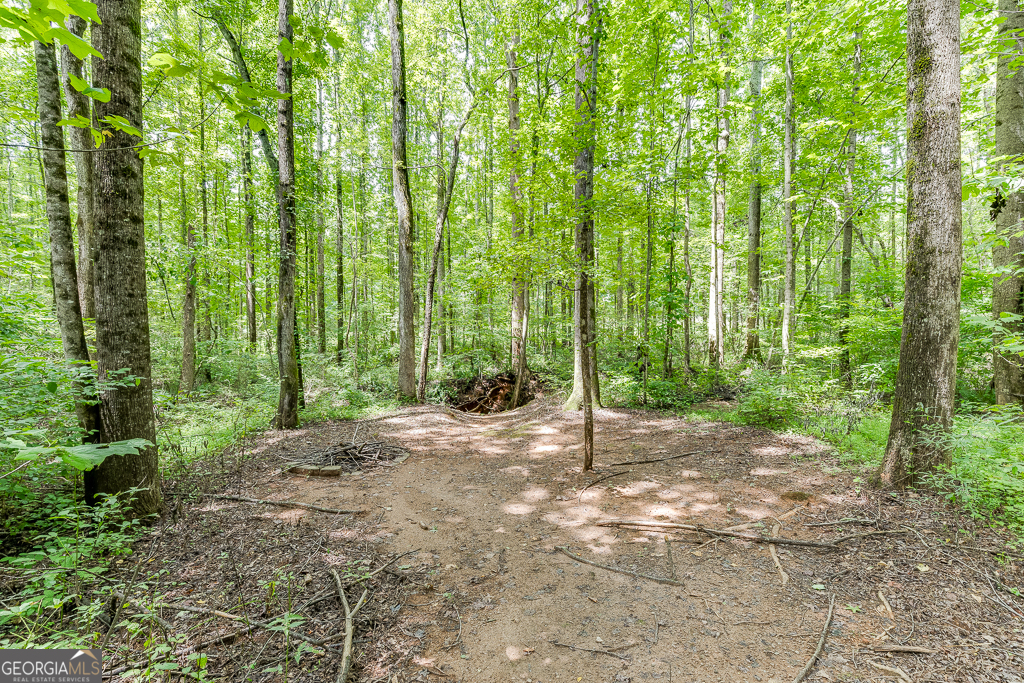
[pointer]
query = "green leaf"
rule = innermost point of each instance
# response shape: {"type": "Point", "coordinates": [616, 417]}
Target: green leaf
{"type": "Point", "coordinates": [285, 48]}
{"type": "Point", "coordinates": [101, 94]}
{"type": "Point", "coordinates": [84, 9]}
{"type": "Point", "coordinates": [122, 124]}
{"type": "Point", "coordinates": [78, 47]}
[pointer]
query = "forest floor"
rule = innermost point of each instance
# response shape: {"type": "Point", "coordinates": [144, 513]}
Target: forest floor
{"type": "Point", "coordinates": [484, 504]}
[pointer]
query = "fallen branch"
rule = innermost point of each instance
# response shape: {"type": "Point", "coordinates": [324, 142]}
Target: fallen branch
{"type": "Point", "coordinates": [912, 649]}
{"type": "Point", "coordinates": [775, 557]}
{"type": "Point", "coordinates": [350, 614]}
{"type": "Point", "coordinates": [821, 643]}
{"type": "Point", "coordinates": [656, 579]}
{"type": "Point", "coordinates": [647, 462]}
{"type": "Point", "coordinates": [166, 626]}
{"type": "Point", "coordinates": [671, 561]}
{"type": "Point", "coordinates": [587, 649]}
{"type": "Point", "coordinates": [894, 670]}
{"type": "Point", "coordinates": [598, 481]}
{"type": "Point", "coordinates": [285, 504]}
{"type": "Point", "coordinates": [716, 532]}
{"type": "Point", "coordinates": [870, 533]}
{"type": "Point", "coordinates": [845, 520]}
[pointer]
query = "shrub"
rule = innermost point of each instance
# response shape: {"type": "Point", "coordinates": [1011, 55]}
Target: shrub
{"type": "Point", "coordinates": [767, 402]}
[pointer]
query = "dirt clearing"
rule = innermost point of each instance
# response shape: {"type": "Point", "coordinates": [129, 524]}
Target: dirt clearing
{"type": "Point", "coordinates": [488, 503]}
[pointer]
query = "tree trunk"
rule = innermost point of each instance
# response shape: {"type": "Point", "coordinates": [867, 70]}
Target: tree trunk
{"type": "Point", "coordinates": [81, 139]}
{"type": "Point", "coordinates": [926, 379]}
{"type": "Point", "coordinates": [321, 305]}
{"type": "Point", "coordinates": [520, 281]}
{"type": "Point", "coordinates": [340, 267]}
{"type": "Point", "coordinates": [687, 268]}
{"type": "Point", "coordinates": [588, 32]}
{"type": "Point", "coordinates": [846, 271]}
{"type": "Point", "coordinates": [788, 159]}
{"type": "Point", "coordinates": [206, 329]}
{"type": "Point", "coordinates": [250, 258]}
{"type": "Point", "coordinates": [403, 204]}
{"type": "Point", "coordinates": [1008, 250]}
{"type": "Point", "coordinates": [287, 333]}
{"type": "Point", "coordinates": [753, 350]}
{"type": "Point", "coordinates": [716, 310]}
{"type": "Point", "coordinates": [63, 271]}
{"type": "Point", "coordinates": [122, 315]}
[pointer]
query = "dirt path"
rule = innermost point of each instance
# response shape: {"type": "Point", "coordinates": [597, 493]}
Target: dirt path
{"type": "Point", "coordinates": [487, 501]}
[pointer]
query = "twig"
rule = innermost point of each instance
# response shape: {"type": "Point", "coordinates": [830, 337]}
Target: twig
{"type": "Point", "coordinates": [346, 657]}
{"type": "Point", "coordinates": [846, 520]}
{"type": "Point", "coordinates": [870, 533]}
{"type": "Point", "coordinates": [913, 649]}
{"type": "Point", "coordinates": [775, 557]}
{"type": "Point", "coordinates": [165, 625]}
{"type": "Point", "coordinates": [888, 608]}
{"type": "Point", "coordinates": [586, 649]}
{"type": "Point", "coordinates": [286, 504]}
{"type": "Point", "coordinates": [646, 462]}
{"type": "Point", "coordinates": [895, 670]}
{"type": "Point", "coordinates": [598, 481]}
{"type": "Point", "coordinates": [714, 532]}
{"type": "Point", "coordinates": [821, 643]}
{"type": "Point", "coordinates": [671, 562]}
{"type": "Point", "coordinates": [390, 562]}
{"type": "Point", "coordinates": [656, 579]}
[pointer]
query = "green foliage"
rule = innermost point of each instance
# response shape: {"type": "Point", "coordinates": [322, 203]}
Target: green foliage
{"type": "Point", "coordinates": [767, 401]}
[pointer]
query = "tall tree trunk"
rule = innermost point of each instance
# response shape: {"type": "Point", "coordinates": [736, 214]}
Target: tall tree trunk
{"type": "Point", "coordinates": [81, 139]}
{"type": "Point", "coordinates": [650, 211]}
{"type": "Point", "coordinates": [63, 271]}
{"type": "Point", "coordinates": [926, 379]}
{"type": "Point", "coordinates": [846, 270]}
{"type": "Point", "coordinates": [716, 311]}
{"type": "Point", "coordinates": [340, 268]}
{"type": "Point", "coordinates": [206, 329]}
{"type": "Point", "coordinates": [1008, 250]}
{"type": "Point", "coordinates": [520, 281]}
{"type": "Point", "coordinates": [321, 305]}
{"type": "Point", "coordinates": [250, 257]}
{"type": "Point", "coordinates": [122, 314]}
{"type": "Point", "coordinates": [753, 350]}
{"type": "Point", "coordinates": [588, 32]}
{"type": "Point", "coordinates": [403, 204]}
{"type": "Point", "coordinates": [687, 268]}
{"type": "Point", "coordinates": [788, 159]}
{"type": "Point", "coordinates": [287, 332]}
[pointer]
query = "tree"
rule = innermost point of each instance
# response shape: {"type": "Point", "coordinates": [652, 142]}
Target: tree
{"type": "Point", "coordinates": [520, 282]}
{"type": "Point", "coordinates": [788, 161]}
{"type": "Point", "coordinates": [403, 203]}
{"type": "Point", "coordinates": [81, 141]}
{"type": "Point", "coordinates": [63, 271]}
{"type": "Point", "coordinates": [926, 379]}
{"type": "Point", "coordinates": [1008, 250]}
{"type": "Point", "coordinates": [846, 268]}
{"type": "Point", "coordinates": [287, 348]}
{"type": "Point", "coordinates": [753, 348]}
{"type": "Point", "coordinates": [716, 310]}
{"type": "Point", "coordinates": [588, 32]}
{"type": "Point", "coordinates": [122, 310]}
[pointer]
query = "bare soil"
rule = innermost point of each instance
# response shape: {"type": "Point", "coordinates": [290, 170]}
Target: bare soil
{"type": "Point", "coordinates": [485, 503]}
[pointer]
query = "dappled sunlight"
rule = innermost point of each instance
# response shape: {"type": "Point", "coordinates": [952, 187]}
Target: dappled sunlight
{"type": "Point", "coordinates": [545, 448]}
{"type": "Point", "coordinates": [766, 472]}
{"type": "Point", "coordinates": [514, 652]}
{"type": "Point", "coordinates": [542, 430]}
{"type": "Point", "coordinates": [535, 494]}
{"type": "Point", "coordinates": [662, 511]}
{"type": "Point", "coordinates": [574, 516]}
{"type": "Point", "coordinates": [637, 488]}
{"type": "Point", "coordinates": [518, 508]}
{"type": "Point", "coordinates": [754, 513]}
{"type": "Point", "coordinates": [516, 469]}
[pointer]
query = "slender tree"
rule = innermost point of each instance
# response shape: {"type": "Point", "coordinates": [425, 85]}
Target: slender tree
{"type": "Point", "coordinates": [753, 348]}
{"type": "Point", "coordinates": [1008, 249]}
{"type": "Point", "coordinates": [122, 311]}
{"type": "Point", "coordinates": [63, 271]}
{"type": "Point", "coordinates": [788, 160]}
{"type": "Point", "coordinates": [403, 204]}
{"type": "Point", "coordinates": [287, 346]}
{"type": "Point", "coordinates": [926, 379]}
{"type": "Point", "coordinates": [520, 283]}
{"type": "Point", "coordinates": [588, 32]}
{"type": "Point", "coordinates": [716, 309]}
{"type": "Point", "coordinates": [81, 140]}
{"type": "Point", "coordinates": [846, 267]}
{"type": "Point", "coordinates": [250, 230]}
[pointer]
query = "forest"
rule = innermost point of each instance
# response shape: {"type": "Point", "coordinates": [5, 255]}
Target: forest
{"type": "Point", "coordinates": [231, 231]}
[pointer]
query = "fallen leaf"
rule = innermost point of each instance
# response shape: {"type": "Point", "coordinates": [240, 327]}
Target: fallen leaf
{"type": "Point", "coordinates": [818, 587]}
{"type": "Point", "coordinates": [923, 568]}
{"type": "Point", "coordinates": [528, 650]}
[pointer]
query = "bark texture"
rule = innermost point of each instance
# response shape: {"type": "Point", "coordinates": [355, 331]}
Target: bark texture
{"type": "Point", "coordinates": [753, 347]}
{"type": "Point", "coordinates": [403, 204]}
{"type": "Point", "coordinates": [250, 219]}
{"type": "Point", "coordinates": [788, 160]}
{"type": "Point", "coordinates": [1008, 251]}
{"type": "Point", "coordinates": [716, 310]}
{"type": "Point", "coordinates": [122, 314]}
{"type": "Point", "coordinates": [287, 334]}
{"type": "Point", "coordinates": [63, 272]}
{"type": "Point", "coordinates": [846, 263]}
{"type": "Point", "coordinates": [926, 378]}
{"type": "Point", "coordinates": [588, 31]}
{"type": "Point", "coordinates": [81, 139]}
